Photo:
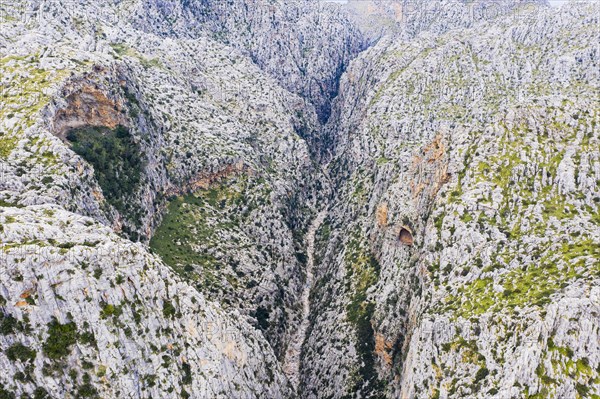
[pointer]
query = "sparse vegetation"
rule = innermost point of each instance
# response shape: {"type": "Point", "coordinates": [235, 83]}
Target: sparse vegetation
{"type": "Point", "coordinates": [60, 339]}
{"type": "Point", "coordinates": [116, 158]}
{"type": "Point", "coordinates": [362, 271]}
{"type": "Point", "coordinates": [20, 352]}
{"type": "Point", "coordinates": [168, 309]}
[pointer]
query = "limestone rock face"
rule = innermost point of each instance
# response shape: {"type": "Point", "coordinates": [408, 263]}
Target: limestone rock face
{"type": "Point", "coordinates": [305, 44]}
{"type": "Point", "coordinates": [104, 121]}
{"type": "Point", "coordinates": [161, 163]}
{"type": "Point", "coordinates": [484, 143]}
{"type": "Point", "coordinates": [88, 314]}
{"type": "Point", "coordinates": [406, 18]}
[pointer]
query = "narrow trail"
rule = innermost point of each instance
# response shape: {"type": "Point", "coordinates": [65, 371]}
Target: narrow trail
{"type": "Point", "coordinates": [291, 365]}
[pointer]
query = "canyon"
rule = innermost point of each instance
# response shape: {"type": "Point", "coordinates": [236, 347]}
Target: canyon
{"type": "Point", "coordinates": [299, 199]}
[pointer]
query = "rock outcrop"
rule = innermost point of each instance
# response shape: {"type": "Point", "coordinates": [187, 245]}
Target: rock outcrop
{"type": "Point", "coordinates": [89, 314]}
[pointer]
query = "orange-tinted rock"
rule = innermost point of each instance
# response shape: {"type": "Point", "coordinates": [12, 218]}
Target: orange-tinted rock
{"type": "Point", "coordinates": [89, 106]}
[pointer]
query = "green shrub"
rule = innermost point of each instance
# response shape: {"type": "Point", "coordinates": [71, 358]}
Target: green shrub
{"type": "Point", "coordinates": [262, 317]}
{"type": "Point", "coordinates": [150, 379]}
{"type": "Point", "coordinates": [40, 393]}
{"type": "Point", "coordinates": [8, 324]}
{"type": "Point", "coordinates": [116, 159]}
{"type": "Point", "coordinates": [60, 339]}
{"type": "Point", "coordinates": [168, 309]}
{"type": "Point", "coordinates": [186, 379]}
{"type": "Point", "coordinates": [87, 337]}
{"type": "Point", "coordinates": [87, 390]}
{"type": "Point", "coordinates": [20, 352]}
{"type": "Point", "coordinates": [109, 310]}
{"type": "Point", "coordinates": [4, 394]}
{"type": "Point", "coordinates": [481, 374]}
{"type": "Point", "coordinates": [582, 390]}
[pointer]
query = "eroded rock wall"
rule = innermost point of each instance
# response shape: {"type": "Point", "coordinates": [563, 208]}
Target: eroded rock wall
{"type": "Point", "coordinates": [482, 145]}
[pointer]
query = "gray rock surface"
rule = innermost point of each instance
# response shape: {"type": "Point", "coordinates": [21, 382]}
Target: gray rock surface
{"type": "Point", "coordinates": [161, 163]}
{"type": "Point", "coordinates": [465, 217]}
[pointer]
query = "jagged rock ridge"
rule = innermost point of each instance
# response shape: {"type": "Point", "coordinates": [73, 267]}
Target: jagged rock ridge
{"type": "Point", "coordinates": [304, 44]}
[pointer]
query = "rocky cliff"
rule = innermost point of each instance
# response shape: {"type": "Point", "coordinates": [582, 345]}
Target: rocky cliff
{"type": "Point", "coordinates": [460, 254]}
{"type": "Point", "coordinates": [102, 120]}
{"type": "Point", "coordinates": [161, 163]}
{"type": "Point", "coordinates": [304, 44]}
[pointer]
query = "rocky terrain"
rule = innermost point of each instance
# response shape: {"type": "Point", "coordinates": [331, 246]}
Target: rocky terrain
{"type": "Point", "coordinates": [251, 199]}
{"type": "Point", "coordinates": [460, 255]}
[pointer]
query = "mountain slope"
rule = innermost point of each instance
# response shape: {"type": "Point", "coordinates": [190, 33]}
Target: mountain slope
{"type": "Point", "coordinates": [101, 120]}
{"type": "Point", "coordinates": [464, 232]}
{"type": "Point", "coordinates": [89, 314]}
{"type": "Point", "coordinates": [305, 45]}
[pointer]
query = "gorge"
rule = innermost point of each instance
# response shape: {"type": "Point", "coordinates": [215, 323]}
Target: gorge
{"type": "Point", "coordinates": [299, 199]}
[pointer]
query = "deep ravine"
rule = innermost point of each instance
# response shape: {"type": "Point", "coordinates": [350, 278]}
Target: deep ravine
{"type": "Point", "coordinates": [291, 364]}
{"type": "Point", "coordinates": [166, 165]}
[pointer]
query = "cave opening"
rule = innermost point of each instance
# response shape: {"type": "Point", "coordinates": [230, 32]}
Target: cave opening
{"type": "Point", "coordinates": [406, 236]}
